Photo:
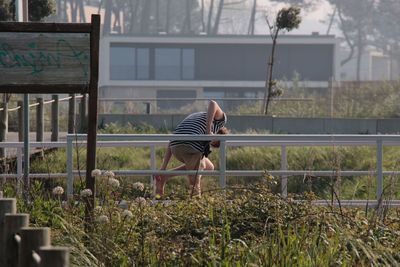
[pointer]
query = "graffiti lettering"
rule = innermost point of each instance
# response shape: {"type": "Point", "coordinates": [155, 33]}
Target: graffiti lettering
{"type": "Point", "coordinates": [37, 60]}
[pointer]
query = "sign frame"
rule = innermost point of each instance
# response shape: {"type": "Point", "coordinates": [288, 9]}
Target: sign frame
{"type": "Point", "coordinates": [93, 29]}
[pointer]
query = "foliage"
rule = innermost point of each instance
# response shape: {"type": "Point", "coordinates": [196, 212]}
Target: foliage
{"type": "Point", "coordinates": [37, 9]}
{"type": "Point", "coordinates": [238, 227]}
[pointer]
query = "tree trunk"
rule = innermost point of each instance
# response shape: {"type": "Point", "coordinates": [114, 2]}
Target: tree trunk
{"type": "Point", "coordinates": [167, 21]}
{"type": "Point", "coordinates": [269, 81]}
{"type": "Point", "coordinates": [252, 21]}
{"type": "Point", "coordinates": [81, 8]}
{"type": "Point", "coordinates": [359, 53]}
{"type": "Point", "coordinates": [145, 18]}
{"type": "Point", "coordinates": [218, 17]}
{"type": "Point", "coordinates": [210, 13]}
{"type": "Point", "coordinates": [107, 17]}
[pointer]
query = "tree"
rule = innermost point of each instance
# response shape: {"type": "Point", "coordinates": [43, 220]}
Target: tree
{"type": "Point", "coordinates": [286, 19]}
{"type": "Point", "coordinates": [387, 36]}
{"type": "Point", "coordinates": [356, 23]}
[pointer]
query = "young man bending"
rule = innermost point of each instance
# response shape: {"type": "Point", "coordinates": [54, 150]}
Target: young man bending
{"type": "Point", "coordinates": [191, 153]}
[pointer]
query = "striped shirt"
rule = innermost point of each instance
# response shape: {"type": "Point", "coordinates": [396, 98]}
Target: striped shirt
{"type": "Point", "coordinates": [196, 124]}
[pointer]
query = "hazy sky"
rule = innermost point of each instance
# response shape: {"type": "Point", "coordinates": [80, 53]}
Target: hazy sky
{"type": "Point", "coordinates": [312, 21]}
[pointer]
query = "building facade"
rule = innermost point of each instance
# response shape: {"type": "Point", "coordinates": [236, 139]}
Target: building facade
{"type": "Point", "coordinates": [210, 67]}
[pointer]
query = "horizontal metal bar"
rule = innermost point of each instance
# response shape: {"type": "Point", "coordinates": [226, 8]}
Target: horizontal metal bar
{"type": "Point", "coordinates": [358, 203]}
{"type": "Point", "coordinates": [278, 138]}
{"type": "Point", "coordinates": [45, 27]}
{"type": "Point", "coordinates": [229, 173]}
{"type": "Point", "coordinates": [44, 88]}
{"type": "Point", "coordinates": [204, 99]}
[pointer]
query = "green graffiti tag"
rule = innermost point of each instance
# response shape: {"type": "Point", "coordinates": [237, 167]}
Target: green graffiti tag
{"type": "Point", "coordinates": [37, 60]}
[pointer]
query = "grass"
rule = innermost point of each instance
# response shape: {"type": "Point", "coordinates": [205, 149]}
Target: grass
{"type": "Point", "coordinates": [242, 226]}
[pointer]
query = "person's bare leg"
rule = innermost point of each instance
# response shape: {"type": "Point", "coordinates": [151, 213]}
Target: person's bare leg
{"type": "Point", "coordinates": [195, 182]}
{"type": "Point", "coordinates": [161, 179]}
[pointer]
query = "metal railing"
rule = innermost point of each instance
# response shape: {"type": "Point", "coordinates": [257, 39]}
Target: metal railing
{"type": "Point", "coordinates": [283, 141]}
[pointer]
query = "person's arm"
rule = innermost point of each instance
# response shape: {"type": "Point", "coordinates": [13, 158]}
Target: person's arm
{"type": "Point", "coordinates": [214, 112]}
{"type": "Point", "coordinates": [167, 157]}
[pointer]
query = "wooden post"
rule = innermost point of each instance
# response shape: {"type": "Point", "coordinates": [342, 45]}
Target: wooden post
{"type": "Point", "coordinates": [20, 121]}
{"type": "Point", "coordinates": [39, 119]}
{"type": "Point", "coordinates": [82, 114]}
{"type": "Point", "coordinates": [54, 119]}
{"type": "Point", "coordinates": [3, 126]}
{"type": "Point", "coordinates": [12, 226]}
{"type": "Point", "coordinates": [54, 256]}
{"type": "Point", "coordinates": [71, 114]}
{"type": "Point", "coordinates": [7, 205]}
{"type": "Point", "coordinates": [31, 240]}
{"type": "Point", "coordinates": [92, 114]}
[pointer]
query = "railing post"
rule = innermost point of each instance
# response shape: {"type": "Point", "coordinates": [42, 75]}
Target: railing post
{"type": "Point", "coordinates": [54, 119]}
{"type": "Point", "coordinates": [12, 226]}
{"type": "Point", "coordinates": [70, 174]}
{"type": "Point", "coordinates": [54, 256]}
{"type": "Point", "coordinates": [20, 121]}
{"type": "Point", "coordinates": [379, 168]}
{"type": "Point", "coordinates": [71, 114]}
{"type": "Point", "coordinates": [31, 240]}
{"type": "Point", "coordinates": [283, 168]}
{"type": "Point", "coordinates": [39, 120]}
{"type": "Point", "coordinates": [222, 164]}
{"type": "Point", "coordinates": [7, 205]}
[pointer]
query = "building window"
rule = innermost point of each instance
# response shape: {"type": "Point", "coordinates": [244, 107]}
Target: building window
{"type": "Point", "coordinates": [122, 63]}
{"type": "Point", "coordinates": [143, 64]}
{"type": "Point", "coordinates": [129, 63]}
{"type": "Point", "coordinates": [174, 64]}
{"type": "Point", "coordinates": [187, 64]}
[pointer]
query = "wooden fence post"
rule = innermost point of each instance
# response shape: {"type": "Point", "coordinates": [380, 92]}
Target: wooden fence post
{"type": "Point", "coordinates": [12, 226]}
{"type": "Point", "coordinates": [3, 127]}
{"type": "Point", "coordinates": [7, 205]}
{"type": "Point", "coordinates": [71, 114]}
{"type": "Point", "coordinates": [54, 256]}
{"type": "Point", "coordinates": [54, 119]}
{"type": "Point", "coordinates": [39, 119]}
{"type": "Point", "coordinates": [32, 238]}
{"type": "Point", "coordinates": [82, 114]}
{"type": "Point", "coordinates": [20, 121]}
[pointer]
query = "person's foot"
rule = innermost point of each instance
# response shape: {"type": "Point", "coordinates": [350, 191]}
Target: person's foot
{"type": "Point", "coordinates": [160, 184]}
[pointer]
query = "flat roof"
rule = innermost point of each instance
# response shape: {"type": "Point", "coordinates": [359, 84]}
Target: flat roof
{"type": "Point", "coordinates": [223, 39]}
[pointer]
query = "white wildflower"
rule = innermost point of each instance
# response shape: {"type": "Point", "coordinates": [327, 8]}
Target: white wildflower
{"type": "Point", "coordinates": [109, 174]}
{"type": "Point", "coordinates": [114, 183]}
{"type": "Point", "coordinates": [86, 192]}
{"type": "Point", "coordinates": [141, 200]}
{"type": "Point", "coordinates": [127, 214]}
{"type": "Point", "coordinates": [98, 209]}
{"type": "Point", "coordinates": [138, 186]}
{"type": "Point", "coordinates": [96, 173]}
{"type": "Point", "coordinates": [58, 190]}
{"type": "Point", "coordinates": [102, 219]}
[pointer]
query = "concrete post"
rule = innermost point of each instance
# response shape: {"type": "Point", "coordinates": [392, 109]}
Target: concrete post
{"type": "Point", "coordinates": [7, 205]}
{"type": "Point", "coordinates": [54, 119]}
{"type": "Point", "coordinates": [31, 240]}
{"type": "Point", "coordinates": [54, 256]}
{"type": "Point", "coordinates": [12, 226]}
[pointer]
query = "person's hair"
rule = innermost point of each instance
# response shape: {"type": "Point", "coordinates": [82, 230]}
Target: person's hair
{"type": "Point", "coordinates": [223, 130]}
